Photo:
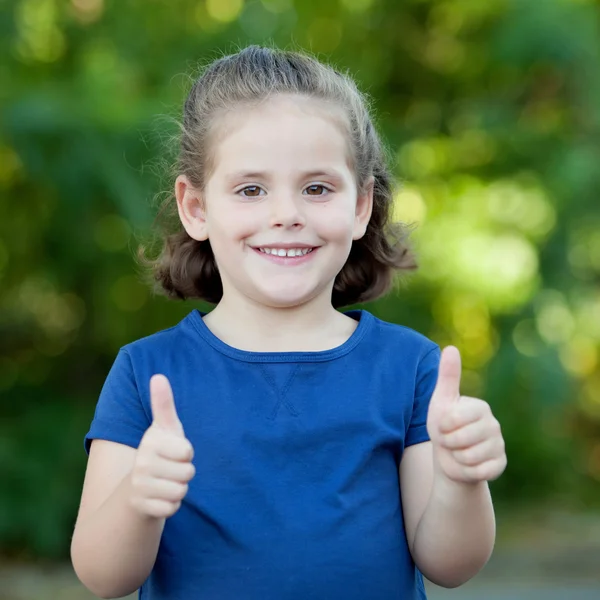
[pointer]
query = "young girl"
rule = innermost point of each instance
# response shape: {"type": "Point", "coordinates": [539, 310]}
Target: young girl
{"type": "Point", "coordinates": [287, 450]}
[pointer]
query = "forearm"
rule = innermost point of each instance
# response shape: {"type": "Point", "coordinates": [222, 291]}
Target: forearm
{"type": "Point", "coordinates": [455, 536]}
{"type": "Point", "coordinates": [114, 549]}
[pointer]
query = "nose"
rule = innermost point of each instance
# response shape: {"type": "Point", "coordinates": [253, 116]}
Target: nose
{"type": "Point", "coordinates": [287, 212]}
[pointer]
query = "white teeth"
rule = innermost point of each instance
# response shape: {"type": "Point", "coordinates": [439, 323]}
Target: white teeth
{"type": "Point", "coordinates": [292, 252]}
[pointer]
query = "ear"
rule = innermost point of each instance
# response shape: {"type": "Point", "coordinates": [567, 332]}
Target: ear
{"type": "Point", "coordinates": [364, 208]}
{"type": "Point", "coordinates": [192, 211]}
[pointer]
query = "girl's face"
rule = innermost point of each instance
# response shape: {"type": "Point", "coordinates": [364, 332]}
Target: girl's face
{"type": "Point", "coordinates": [280, 206]}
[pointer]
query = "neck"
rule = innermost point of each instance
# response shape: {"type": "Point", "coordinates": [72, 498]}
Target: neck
{"type": "Point", "coordinates": [310, 327]}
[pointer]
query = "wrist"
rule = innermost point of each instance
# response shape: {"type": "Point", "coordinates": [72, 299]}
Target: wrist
{"type": "Point", "coordinates": [445, 487]}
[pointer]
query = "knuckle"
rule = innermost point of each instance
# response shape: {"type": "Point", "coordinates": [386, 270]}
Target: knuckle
{"type": "Point", "coordinates": [502, 462]}
{"type": "Point", "coordinates": [502, 445]}
{"type": "Point", "coordinates": [174, 491]}
{"type": "Point", "coordinates": [183, 490]}
{"type": "Point", "coordinates": [189, 450]}
{"type": "Point", "coordinates": [179, 447]}
{"type": "Point", "coordinates": [480, 404]}
{"type": "Point", "coordinates": [450, 440]}
{"type": "Point", "coordinates": [149, 508]}
{"type": "Point", "coordinates": [144, 507]}
{"type": "Point", "coordinates": [162, 509]}
{"type": "Point", "coordinates": [471, 456]}
{"type": "Point", "coordinates": [460, 438]}
{"type": "Point", "coordinates": [484, 471]}
{"type": "Point", "coordinates": [467, 457]}
{"type": "Point", "coordinates": [166, 508]}
{"type": "Point", "coordinates": [191, 471]}
{"type": "Point", "coordinates": [486, 406]}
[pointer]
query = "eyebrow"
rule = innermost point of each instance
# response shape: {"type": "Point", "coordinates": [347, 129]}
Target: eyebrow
{"type": "Point", "coordinates": [246, 175]}
{"type": "Point", "coordinates": [316, 174]}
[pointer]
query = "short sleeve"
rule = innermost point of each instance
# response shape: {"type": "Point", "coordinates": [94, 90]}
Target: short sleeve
{"type": "Point", "coordinates": [427, 373]}
{"type": "Point", "coordinates": [120, 415]}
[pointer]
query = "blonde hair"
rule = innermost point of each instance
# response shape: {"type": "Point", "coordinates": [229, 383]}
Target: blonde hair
{"type": "Point", "coordinates": [186, 268]}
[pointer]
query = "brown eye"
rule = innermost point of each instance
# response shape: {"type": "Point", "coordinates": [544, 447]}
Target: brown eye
{"type": "Point", "coordinates": [316, 190]}
{"type": "Point", "coordinates": [251, 191]}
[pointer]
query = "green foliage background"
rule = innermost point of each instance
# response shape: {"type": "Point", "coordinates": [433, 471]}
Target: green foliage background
{"type": "Point", "coordinates": [492, 112]}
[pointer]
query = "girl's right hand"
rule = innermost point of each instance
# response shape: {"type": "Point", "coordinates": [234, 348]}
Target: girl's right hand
{"type": "Point", "coordinates": [163, 463]}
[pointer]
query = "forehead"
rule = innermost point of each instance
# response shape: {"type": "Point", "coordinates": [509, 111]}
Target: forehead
{"type": "Point", "coordinates": [283, 131]}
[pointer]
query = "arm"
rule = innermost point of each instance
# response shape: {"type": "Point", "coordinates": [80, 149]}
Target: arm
{"type": "Point", "coordinates": [448, 512]}
{"type": "Point", "coordinates": [450, 526]}
{"type": "Point", "coordinates": [114, 546]}
{"type": "Point", "coordinates": [127, 495]}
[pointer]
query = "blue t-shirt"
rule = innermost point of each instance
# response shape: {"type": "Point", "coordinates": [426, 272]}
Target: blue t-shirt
{"type": "Point", "coordinates": [296, 494]}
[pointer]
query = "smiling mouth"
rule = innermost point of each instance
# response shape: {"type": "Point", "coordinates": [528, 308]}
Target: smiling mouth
{"type": "Point", "coordinates": [286, 252]}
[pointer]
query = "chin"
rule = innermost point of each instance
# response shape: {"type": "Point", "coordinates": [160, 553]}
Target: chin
{"type": "Point", "coordinates": [285, 298]}
{"type": "Point", "coordinates": [283, 302]}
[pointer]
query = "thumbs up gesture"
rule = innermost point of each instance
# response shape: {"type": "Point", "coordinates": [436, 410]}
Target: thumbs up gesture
{"type": "Point", "coordinates": [163, 464]}
{"type": "Point", "coordinates": [468, 446]}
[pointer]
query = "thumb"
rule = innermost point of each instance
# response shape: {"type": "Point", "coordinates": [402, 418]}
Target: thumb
{"type": "Point", "coordinates": [162, 402]}
{"type": "Point", "coordinates": [447, 388]}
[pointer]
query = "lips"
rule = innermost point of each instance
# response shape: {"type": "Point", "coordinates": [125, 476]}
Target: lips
{"type": "Point", "coordinates": [285, 252]}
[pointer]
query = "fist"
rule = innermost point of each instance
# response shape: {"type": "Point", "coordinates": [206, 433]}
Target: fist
{"type": "Point", "coordinates": [163, 463]}
{"type": "Point", "coordinates": [468, 446]}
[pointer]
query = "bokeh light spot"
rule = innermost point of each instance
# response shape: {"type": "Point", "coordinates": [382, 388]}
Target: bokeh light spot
{"type": "Point", "coordinates": [502, 266]}
{"type": "Point", "coordinates": [587, 315]}
{"type": "Point", "coordinates": [87, 11]}
{"type": "Point", "coordinates": [590, 397]}
{"type": "Point", "coordinates": [409, 206]}
{"type": "Point", "coordinates": [277, 6]}
{"type": "Point", "coordinates": [357, 6]}
{"type": "Point", "coordinates": [443, 53]}
{"type": "Point", "coordinates": [39, 38]}
{"type": "Point", "coordinates": [10, 166]}
{"type": "Point", "coordinates": [224, 11]}
{"type": "Point", "coordinates": [555, 322]}
{"type": "Point", "coordinates": [579, 356]}
{"type": "Point", "coordinates": [419, 158]}
{"type": "Point", "coordinates": [525, 208]}
{"type": "Point", "coordinates": [526, 339]}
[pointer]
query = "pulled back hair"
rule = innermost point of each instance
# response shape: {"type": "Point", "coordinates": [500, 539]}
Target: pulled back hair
{"type": "Point", "coordinates": [185, 267]}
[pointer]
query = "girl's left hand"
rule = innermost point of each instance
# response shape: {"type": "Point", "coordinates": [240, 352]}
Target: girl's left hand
{"type": "Point", "coordinates": [468, 446]}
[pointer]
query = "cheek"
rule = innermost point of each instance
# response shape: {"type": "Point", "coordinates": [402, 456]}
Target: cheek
{"type": "Point", "coordinates": [231, 224]}
{"type": "Point", "coordinates": [336, 223]}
